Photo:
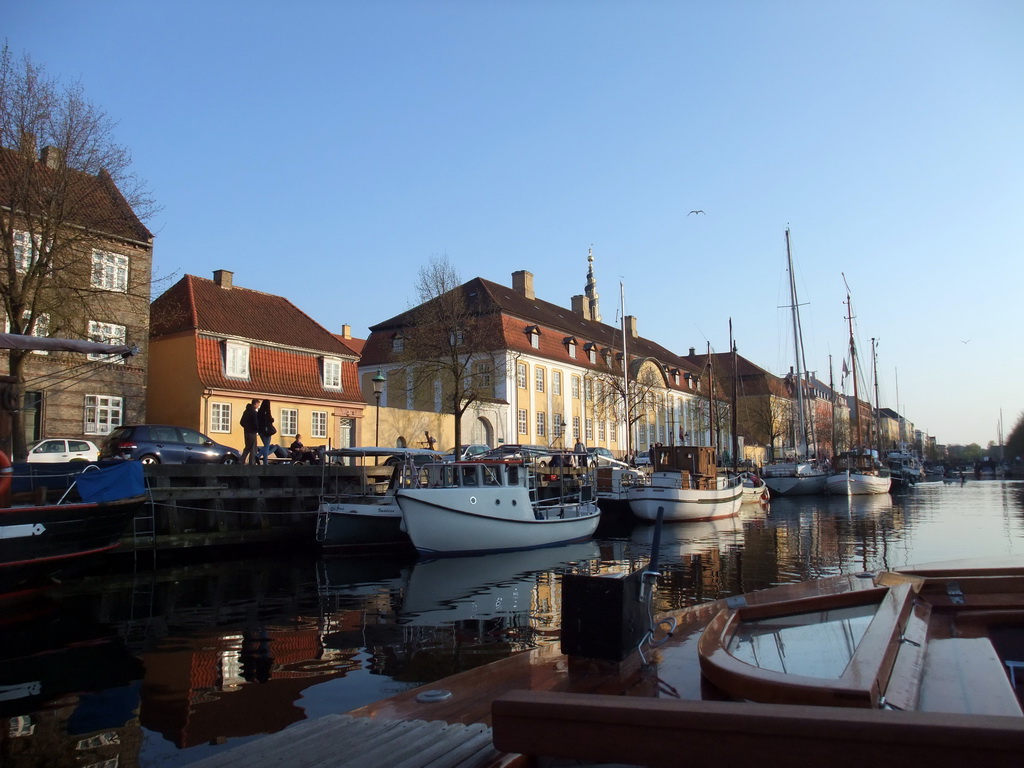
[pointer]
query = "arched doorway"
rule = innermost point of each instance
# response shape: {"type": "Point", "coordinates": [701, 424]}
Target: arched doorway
{"type": "Point", "coordinates": [482, 432]}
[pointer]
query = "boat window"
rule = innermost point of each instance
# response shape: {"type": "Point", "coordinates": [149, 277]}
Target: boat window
{"type": "Point", "coordinates": [513, 474]}
{"type": "Point", "coordinates": [491, 476]}
{"type": "Point", "coordinates": [468, 474]}
{"type": "Point", "coordinates": [816, 644]}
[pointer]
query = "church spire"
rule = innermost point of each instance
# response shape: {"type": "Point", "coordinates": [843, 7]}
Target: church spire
{"type": "Point", "coordinates": [591, 289]}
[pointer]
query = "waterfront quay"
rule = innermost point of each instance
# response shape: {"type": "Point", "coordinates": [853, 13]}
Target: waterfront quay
{"type": "Point", "coordinates": [163, 666]}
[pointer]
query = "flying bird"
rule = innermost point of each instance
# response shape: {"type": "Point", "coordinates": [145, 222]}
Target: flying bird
{"type": "Point", "coordinates": [964, 342]}
{"type": "Point", "coordinates": [693, 212]}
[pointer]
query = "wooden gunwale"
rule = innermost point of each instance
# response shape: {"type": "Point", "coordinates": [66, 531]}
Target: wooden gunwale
{"type": "Point", "coordinates": [861, 684]}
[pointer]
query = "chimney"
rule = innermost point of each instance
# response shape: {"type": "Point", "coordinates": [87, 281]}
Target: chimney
{"type": "Point", "coordinates": [522, 282]}
{"type": "Point", "coordinates": [693, 352]}
{"type": "Point", "coordinates": [52, 157]}
{"type": "Point", "coordinates": [630, 323]}
{"type": "Point", "coordinates": [346, 331]}
{"type": "Point", "coordinates": [581, 305]}
{"type": "Point", "coordinates": [27, 145]}
{"type": "Point", "coordinates": [223, 278]}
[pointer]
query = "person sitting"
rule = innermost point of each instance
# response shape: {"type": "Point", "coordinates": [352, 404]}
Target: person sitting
{"type": "Point", "coordinates": [300, 453]}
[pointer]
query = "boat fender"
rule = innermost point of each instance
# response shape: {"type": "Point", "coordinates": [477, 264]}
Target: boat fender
{"type": "Point", "coordinates": [6, 473]}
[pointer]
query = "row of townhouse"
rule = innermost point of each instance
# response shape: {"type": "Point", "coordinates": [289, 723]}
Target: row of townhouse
{"type": "Point", "coordinates": [549, 375]}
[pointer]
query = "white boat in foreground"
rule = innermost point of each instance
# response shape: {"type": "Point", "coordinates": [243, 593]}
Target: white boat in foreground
{"type": "Point", "coordinates": [497, 506]}
{"type": "Point", "coordinates": [685, 483]}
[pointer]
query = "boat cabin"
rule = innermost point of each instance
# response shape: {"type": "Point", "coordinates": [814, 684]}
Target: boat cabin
{"type": "Point", "coordinates": [697, 463]}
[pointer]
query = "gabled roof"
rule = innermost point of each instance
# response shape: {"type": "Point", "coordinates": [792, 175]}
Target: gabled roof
{"type": "Point", "coordinates": [519, 314]}
{"type": "Point", "coordinates": [201, 305]}
{"type": "Point", "coordinates": [97, 204]}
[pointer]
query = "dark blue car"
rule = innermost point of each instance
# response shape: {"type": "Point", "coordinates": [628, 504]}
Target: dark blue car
{"type": "Point", "coordinates": [165, 444]}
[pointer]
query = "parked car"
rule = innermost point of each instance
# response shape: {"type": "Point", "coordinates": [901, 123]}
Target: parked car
{"type": "Point", "coordinates": [472, 451]}
{"type": "Point", "coordinates": [54, 450]}
{"type": "Point", "coordinates": [166, 444]}
{"type": "Point", "coordinates": [643, 459]}
{"type": "Point", "coordinates": [602, 457]}
{"type": "Point", "coordinates": [520, 451]}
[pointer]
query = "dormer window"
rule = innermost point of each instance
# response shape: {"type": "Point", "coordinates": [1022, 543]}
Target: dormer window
{"type": "Point", "coordinates": [591, 349]}
{"type": "Point", "coordinates": [533, 332]}
{"type": "Point", "coordinates": [332, 373]}
{"type": "Point", "coordinates": [570, 345]}
{"type": "Point", "coordinates": [689, 380]}
{"type": "Point", "coordinates": [236, 360]}
{"type": "Point", "coordinates": [398, 343]}
{"type": "Point", "coordinates": [675, 376]}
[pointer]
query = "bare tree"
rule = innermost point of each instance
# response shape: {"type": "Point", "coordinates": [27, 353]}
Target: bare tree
{"type": "Point", "coordinates": [452, 340]}
{"type": "Point", "coordinates": [57, 206]}
{"type": "Point", "coordinates": [768, 416]}
{"type": "Point", "coordinates": [612, 397]}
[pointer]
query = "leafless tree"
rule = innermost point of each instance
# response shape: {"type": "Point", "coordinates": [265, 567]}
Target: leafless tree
{"type": "Point", "coordinates": [452, 340]}
{"type": "Point", "coordinates": [769, 417]}
{"type": "Point", "coordinates": [57, 205]}
{"type": "Point", "coordinates": [611, 395]}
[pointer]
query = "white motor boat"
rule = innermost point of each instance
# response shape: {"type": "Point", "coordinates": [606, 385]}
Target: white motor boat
{"type": "Point", "coordinates": [497, 506]}
{"type": "Point", "coordinates": [686, 485]}
{"type": "Point", "coordinates": [794, 478]}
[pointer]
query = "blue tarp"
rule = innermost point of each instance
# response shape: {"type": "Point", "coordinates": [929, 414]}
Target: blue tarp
{"type": "Point", "coordinates": [117, 481]}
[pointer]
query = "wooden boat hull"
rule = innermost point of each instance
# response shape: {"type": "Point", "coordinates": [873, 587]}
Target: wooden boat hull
{"type": "Point", "coordinates": [38, 541]}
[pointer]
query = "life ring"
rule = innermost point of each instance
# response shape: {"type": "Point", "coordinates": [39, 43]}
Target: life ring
{"type": "Point", "coordinates": [6, 473]}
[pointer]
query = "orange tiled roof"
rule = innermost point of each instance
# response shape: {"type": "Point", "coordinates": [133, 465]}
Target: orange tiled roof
{"type": "Point", "coordinates": [285, 373]}
{"type": "Point", "coordinates": [555, 325]}
{"type": "Point", "coordinates": [198, 304]}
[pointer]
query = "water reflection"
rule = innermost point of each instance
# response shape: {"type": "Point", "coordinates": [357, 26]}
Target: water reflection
{"type": "Point", "coordinates": [165, 666]}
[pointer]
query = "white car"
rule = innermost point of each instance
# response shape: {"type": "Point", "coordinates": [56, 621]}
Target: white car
{"type": "Point", "coordinates": [54, 450]}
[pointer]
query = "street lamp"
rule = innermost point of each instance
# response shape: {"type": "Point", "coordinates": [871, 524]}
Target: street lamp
{"type": "Point", "coordinates": [378, 388]}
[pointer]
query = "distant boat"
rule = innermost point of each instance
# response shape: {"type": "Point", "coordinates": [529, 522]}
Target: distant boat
{"type": "Point", "coordinates": [685, 483]}
{"type": "Point", "coordinates": [905, 469]}
{"type": "Point", "coordinates": [755, 490]}
{"type": "Point", "coordinates": [471, 507]}
{"type": "Point", "coordinates": [858, 471]}
{"type": "Point", "coordinates": [799, 477]}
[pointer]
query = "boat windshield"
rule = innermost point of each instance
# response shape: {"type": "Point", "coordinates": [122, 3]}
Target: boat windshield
{"type": "Point", "coordinates": [815, 644]}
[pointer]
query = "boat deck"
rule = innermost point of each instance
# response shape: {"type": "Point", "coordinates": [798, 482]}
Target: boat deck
{"type": "Point", "coordinates": [962, 706]}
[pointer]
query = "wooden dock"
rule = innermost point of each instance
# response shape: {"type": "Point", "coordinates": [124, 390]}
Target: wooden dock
{"type": "Point", "coordinates": [363, 742]}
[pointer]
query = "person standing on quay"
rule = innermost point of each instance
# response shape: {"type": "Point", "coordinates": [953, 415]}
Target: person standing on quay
{"type": "Point", "coordinates": [265, 427]}
{"type": "Point", "coordinates": [250, 427]}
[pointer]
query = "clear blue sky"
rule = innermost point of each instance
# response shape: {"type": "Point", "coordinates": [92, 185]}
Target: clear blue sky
{"type": "Point", "coordinates": [325, 151]}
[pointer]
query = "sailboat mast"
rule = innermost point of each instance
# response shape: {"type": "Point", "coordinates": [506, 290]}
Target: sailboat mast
{"type": "Point", "coordinates": [878, 415]}
{"type": "Point", "coordinates": [735, 400]}
{"type": "Point", "coordinates": [832, 410]}
{"type": "Point", "coordinates": [625, 370]}
{"type": "Point", "coordinates": [802, 437]}
{"type": "Point", "coordinates": [853, 367]}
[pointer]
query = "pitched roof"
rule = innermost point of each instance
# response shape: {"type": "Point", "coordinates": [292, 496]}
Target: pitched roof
{"type": "Point", "coordinates": [96, 204]}
{"type": "Point", "coordinates": [198, 304]}
{"type": "Point", "coordinates": [555, 325]}
{"type": "Point", "coordinates": [271, 369]}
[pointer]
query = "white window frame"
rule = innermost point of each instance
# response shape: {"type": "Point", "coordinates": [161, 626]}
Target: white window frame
{"type": "Point", "coordinates": [40, 328]}
{"type": "Point", "coordinates": [331, 373]}
{"type": "Point", "coordinates": [289, 422]}
{"type": "Point", "coordinates": [524, 424]}
{"type": "Point", "coordinates": [398, 344]}
{"type": "Point", "coordinates": [542, 424]}
{"type": "Point", "coordinates": [483, 374]}
{"type": "Point", "coordinates": [220, 418]}
{"type": "Point", "coordinates": [107, 333]}
{"type": "Point", "coordinates": [23, 263]}
{"type": "Point", "coordinates": [590, 430]}
{"type": "Point", "coordinates": [110, 271]}
{"type": "Point", "coordinates": [574, 387]}
{"type": "Point", "coordinates": [572, 350]}
{"type": "Point", "coordinates": [556, 382]}
{"type": "Point", "coordinates": [575, 427]}
{"type": "Point", "coordinates": [236, 360]}
{"type": "Point", "coordinates": [102, 414]}
{"type": "Point", "coordinates": [539, 377]}
{"type": "Point", "coordinates": [521, 375]}
{"type": "Point", "coordinates": [318, 424]}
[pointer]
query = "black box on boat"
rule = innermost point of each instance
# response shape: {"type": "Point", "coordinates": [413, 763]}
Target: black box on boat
{"type": "Point", "coordinates": [603, 617]}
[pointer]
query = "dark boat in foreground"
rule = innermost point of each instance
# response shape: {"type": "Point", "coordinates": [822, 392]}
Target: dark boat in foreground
{"type": "Point", "coordinates": [40, 540]}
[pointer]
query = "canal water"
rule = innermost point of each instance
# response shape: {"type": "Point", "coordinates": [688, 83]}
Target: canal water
{"type": "Point", "coordinates": [162, 666]}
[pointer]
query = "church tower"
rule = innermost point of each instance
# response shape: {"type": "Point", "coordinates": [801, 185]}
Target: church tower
{"type": "Point", "coordinates": [591, 289]}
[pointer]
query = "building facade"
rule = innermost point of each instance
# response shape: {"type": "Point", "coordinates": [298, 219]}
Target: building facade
{"type": "Point", "coordinates": [215, 346]}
